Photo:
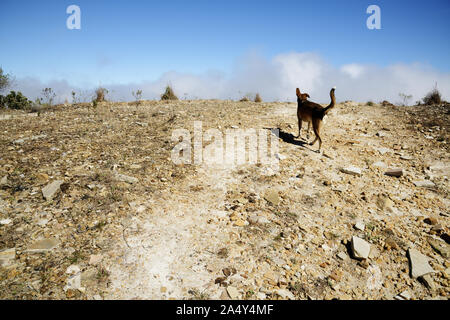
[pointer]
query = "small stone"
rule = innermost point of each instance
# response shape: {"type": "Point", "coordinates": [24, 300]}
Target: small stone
{"type": "Point", "coordinates": [394, 172]}
{"type": "Point", "coordinates": [428, 281]}
{"type": "Point", "coordinates": [229, 271]}
{"type": "Point", "coordinates": [272, 197]}
{"type": "Point", "coordinates": [419, 263]}
{"type": "Point", "coordinates": [43, 245]}
{"type": "Point", "coordinates": [342, 255]}
{"type": "Point", "coordinates": [405, 295]}
{"type": "Point", "coordinates": [220, 280]}
{"type": "Point", "coordinates": [391, 243]}
{"type": "Point", "coordinates": [260, 295]}
{"type": "Point", "coordinates": [240, 223]}
{"type": "Point", "coordinates": [7, 256]}
{"type": "Point", "coordinates": [352, 170]}
{"type": "Point", "coordinates": [360, 226]}
{"type": "Point", "coordinates": [125, 178]}
{"type": "Point", "coordinates": [233, 292]}
{"type": "Point", "coordinates": [255, 219]}
{"type": "Point", "coordinates": [51, 189]}
{"type": "Point", "coordinates": [74, 280]}
{"type": "Point", "coordinates": [5, 221]}
{"type": "Point", "coordinates": [430, 220]}
{"type": "Point", "coordinates": [95, 259]}
{"type": "Point", "coordinates": [440, 247]}
{"type": "Point", "coordinates": [360, 247]}
{"type": "Point", "coordinates": [336, 275]}
{"type": "Point", "coordinates": [4, 181]}
{"type": "Point", "coordinates": [363, 264]}
{"type": "Point", "coordinates": [42, 177]}
{"type": "Point", "coordinates": [424, 184]}
{"type": "Point", "coordinates": [285, 294]}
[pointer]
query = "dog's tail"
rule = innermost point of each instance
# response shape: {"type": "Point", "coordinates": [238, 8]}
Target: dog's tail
{"type": "Point", "coordinates": [332, 103]}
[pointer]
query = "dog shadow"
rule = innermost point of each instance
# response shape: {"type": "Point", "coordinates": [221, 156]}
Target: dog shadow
{"type": "Point", "coordinates": [288, 137]}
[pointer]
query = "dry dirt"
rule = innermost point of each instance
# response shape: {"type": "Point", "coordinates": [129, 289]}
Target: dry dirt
{"type": "Point", "coordinates": [128, 223]}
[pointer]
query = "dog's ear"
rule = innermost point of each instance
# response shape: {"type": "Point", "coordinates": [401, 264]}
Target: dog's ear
{"type": "Point", "coordinates": [307, 95]}
{"type": "Point", "coordinates": [297, 91]}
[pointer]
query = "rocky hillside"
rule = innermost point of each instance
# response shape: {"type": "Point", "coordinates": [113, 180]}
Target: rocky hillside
{"type": "Point", "coordinates": [92, 207]}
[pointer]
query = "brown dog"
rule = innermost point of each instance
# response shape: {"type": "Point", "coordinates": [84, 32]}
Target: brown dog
{"type": "Point", "coordinates": [302, 97]}
{"type": "Point", "coordinates": [313, 113]}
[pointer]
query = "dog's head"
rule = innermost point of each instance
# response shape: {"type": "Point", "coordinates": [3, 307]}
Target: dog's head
{"type": "Point", "coordinates": [301, 96]}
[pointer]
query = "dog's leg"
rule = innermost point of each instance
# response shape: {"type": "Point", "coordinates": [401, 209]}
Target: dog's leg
{"type": "Point", "coordinates": [299, 127]}
{"type": "Point", "coordinates": [309, 129]}
{"type": "Point", "coordinates": [316, 127]}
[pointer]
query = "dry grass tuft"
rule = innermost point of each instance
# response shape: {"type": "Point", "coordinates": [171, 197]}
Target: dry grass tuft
{"type": "Point", "coordinates": [169, 94]}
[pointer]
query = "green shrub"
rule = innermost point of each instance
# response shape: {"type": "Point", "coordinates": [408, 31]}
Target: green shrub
{"type": "Point", "coordinates": [370, 103]}
{"type": "Point", "coordinates": [169, 94]}
{"type": "Point", "coordinates": [14, 100]}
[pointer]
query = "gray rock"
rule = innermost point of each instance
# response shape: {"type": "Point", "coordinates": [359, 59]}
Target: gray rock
{"type": "Point", "coordinates": [342, 255]}
{"type": "Point", "coordinates": [74, 280]}
{"type": "Point", "coordinates": [260, 295]}
{"type": "Point", "coordinates": [272, 197]}
{"type": "Point", "coordinates": [352, 170]}
{"type": "Point", "coordinates": [405, 295]}
{"type": "Point", "coordinates": [394, 172]}
{"type": "Point", "coordinates": [127, 179]}
{"type": "Point", "coordinates": [441, 247]}
{"type": "Point", "coordinates": [255, 219]}
{"type": "Point", "coordinates": [4, 181]}
{"type": "Point", "coordinates": [419, 263]}
{"type": "Point", "coordinates": [43, 245]}
{"type": "Point", "coordinates": [285, 294]}
{"type": "Point", "coordinates": [233, 292]}
{"type": "Point", "coordinates": [5, 221]}
{"type": "Point", "coordinates": [424, 184]}
{"type": "Point", "coordinates": [360, 248]}
{"type": "Point", "coordinates": [51, 189]}
{"type": "Point", "coordinates": [7, 256]}
{"type": "Point", "coordinates": [360, 226]}
{"type": "Point", "coordinates": [428, 281]}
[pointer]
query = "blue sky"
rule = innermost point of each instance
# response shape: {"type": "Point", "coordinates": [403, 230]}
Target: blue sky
{"type": "Point", "coordinates": [135, 41]}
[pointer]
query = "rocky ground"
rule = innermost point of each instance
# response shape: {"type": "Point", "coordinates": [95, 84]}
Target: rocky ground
{"type": "Point", "coordinates": [92, 207]}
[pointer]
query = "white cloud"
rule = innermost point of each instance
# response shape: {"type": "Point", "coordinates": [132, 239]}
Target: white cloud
{"type": "Point", "coordinates": [274, 79]}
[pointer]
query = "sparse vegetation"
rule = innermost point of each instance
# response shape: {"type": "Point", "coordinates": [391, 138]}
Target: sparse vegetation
{"type": "Point", "coordinates": [370, 103]}
{"type": "Point", "coordinates": [258, 98]}
{"type": "Point", "coordinates": [198, 295]}
{"type": "Point", "coordinates": [405, 98]}
{"type": "Point", "coordinates": [5, 80]}
{"type": "Point", "coordinates": [100, 95]}
{"type": "Point", "coordinates": [14, 100]}
{"type": "Point", "coordinates": [169, 94]}
{"type": "Point", "coordinates": [74, 98]}
{"type": "Point", "coordinates": [432, 97]}
{"type": "Point", "coordinates": [49, 96]}
{"type": "Point", "coordinates": [138, 96]}
{"type": "Point", "coordinates": [386, 103]}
